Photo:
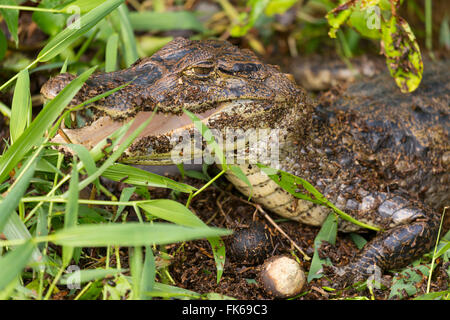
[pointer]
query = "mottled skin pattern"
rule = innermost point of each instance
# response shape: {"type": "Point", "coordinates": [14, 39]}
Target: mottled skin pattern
{"type": "Point", "coordinates": [381, 156]}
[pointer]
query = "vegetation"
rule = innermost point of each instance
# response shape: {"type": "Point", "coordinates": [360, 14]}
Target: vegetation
{"type": "Point", "coordinates": [45, 222]}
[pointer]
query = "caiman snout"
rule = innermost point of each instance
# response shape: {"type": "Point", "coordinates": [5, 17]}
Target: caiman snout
{"type": "Point", "coordinates": [54, 86]}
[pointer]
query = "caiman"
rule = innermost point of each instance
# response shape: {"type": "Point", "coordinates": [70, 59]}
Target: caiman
{"type": "Point", "coordinates": [381, 156]}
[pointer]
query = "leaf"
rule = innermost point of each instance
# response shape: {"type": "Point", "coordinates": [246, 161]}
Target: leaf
{"type": "Point", "coordinates": [12, 264]}
{"type": "Point", "coordinates": [71, 212]}
{"type": "Point", "coordinates": [402, 52]}
{"type": "Point", "coordinates": [139, 177]}
{"type": "Point", "coordinates": [257, 9]}
{"type": "Point", "coordinates": [240, 174]}
{"type": "Point", "coordinates": [33, 133]}
{"type": "Point", "coordinates": [11, 201]}
{"type": "Point", "coordinates": [125, 195]}
{"type": "Point", "coordinates": [49, 22]}
{"type": "Point", "coordinates": [165, 21]}
{"type": "Point", "coordinates": [66, 37]}
{"type": "Point", "coordinates": [84, 5]}
{"type": "Point", "coordinates": [406, 281]}
{"type": "Point", "coordinates": [131, 234]}
{"type": "Point", "coordinates": [172, 211]}
{"type": "Point", "coordinates": [11, 17]}
{"type": "Point", "coordinates": [83, 276]}
{"type": "Point", "coordinates": [177, 213]}
{"type": "Point", "coordinates": [126, 35]}
{"type": "Point", "coordinates": [111, 53]}
{"type": "Point", "coordinates": [327, 233]}
{"type": "Point", "coordinates": [292, 184]}
{"type": "Point", "coordinates": [339, 16]}
{"type": "Point", "coordinates": [21, 106]}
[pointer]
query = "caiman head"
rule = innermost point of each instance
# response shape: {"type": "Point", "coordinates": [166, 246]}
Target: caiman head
{"type": "Point", "coordinates": [226, 87]}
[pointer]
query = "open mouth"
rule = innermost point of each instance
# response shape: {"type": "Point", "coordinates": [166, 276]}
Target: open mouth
{"type": "Point", "coordinates": [162, 123]}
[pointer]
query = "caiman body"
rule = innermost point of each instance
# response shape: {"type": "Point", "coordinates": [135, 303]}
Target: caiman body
{"type": "Point", "coordinates": [380, 156]}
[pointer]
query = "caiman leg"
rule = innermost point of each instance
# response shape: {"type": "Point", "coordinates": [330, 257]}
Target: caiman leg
{"type": "Point", "coordinates": [409, 229]}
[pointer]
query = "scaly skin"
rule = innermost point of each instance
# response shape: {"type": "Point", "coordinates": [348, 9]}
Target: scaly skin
{"type": "Point", "coordinates": [381, 156]}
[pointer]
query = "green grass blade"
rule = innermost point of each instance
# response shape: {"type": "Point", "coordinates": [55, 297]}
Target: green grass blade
{"type": "Point", "coordinates": [116, 154]}
{"type": "Point", "coordinates": [21, 106]}
{"type": "Point", "coordinates": [112, 46]}
{"type": "Point", "coordinates": [172, 211]}
{"type": "Point", "coordinates": [31, 136]}
{"type": "Point", "coordinates": [131, 234]}
{"type": "Point", "coordinates": [11, 201]}
{"type": "Point", "coordinates": [11, 17]}
{"type": "Point", "coordinates": [15, 229]}
{"type": "Point", "coordinates": [148, 273]}
{"type": "Point", "coordinates": [177, 213]}
{"type": "Point", "coordinates": [127, 37]}
{"type": "Point", "coordinates": [71, 214]}
{"type": "Point", "coordinates": [12, 264]}
{"type": "Point", "coordinates": [139, 177]}
{"type": "Point", "coordinates": [83, 276]}
{"type": "Point", "coordinates": [66, 37]}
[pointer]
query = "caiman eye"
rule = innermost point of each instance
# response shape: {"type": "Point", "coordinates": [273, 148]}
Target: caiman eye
{"type": "Point", "coordinates": [202, 71]}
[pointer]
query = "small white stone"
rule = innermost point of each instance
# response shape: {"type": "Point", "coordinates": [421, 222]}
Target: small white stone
{"type": "Point", "coordinates": [282, 277]}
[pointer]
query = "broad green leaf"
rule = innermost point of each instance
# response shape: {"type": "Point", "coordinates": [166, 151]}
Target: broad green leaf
{"type": "Point", "coordinates": [367, 22]}
{"type": "Point", "coordinates": [164, 21]}
{"type": "Point", "coordinates": [139, 177]}
{"type": "Point", "coordinates": [11, 17]}
{"type": "Point", "coordinates": [358, 240]}
{"type": "Point", "coordinates": [12, 264]}
{"type": "Point", "coordinates": [327, 233]}
{"type": "Point", "coordinates": [407, 280]}
{"type": "Point", "coordinates": [66, 37]}
{"type": "Point", "coordinates": [131, 234]}
{"type": "Point", "coordinates": [402, 52]}
{"type": "Point", "coordinates": [21, 106]}
{"type": "Point", "coordinates": [33, 133]}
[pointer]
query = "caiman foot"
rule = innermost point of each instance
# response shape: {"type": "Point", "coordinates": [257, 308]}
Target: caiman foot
{"type": "Point", "coordinates": [391, 249]}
